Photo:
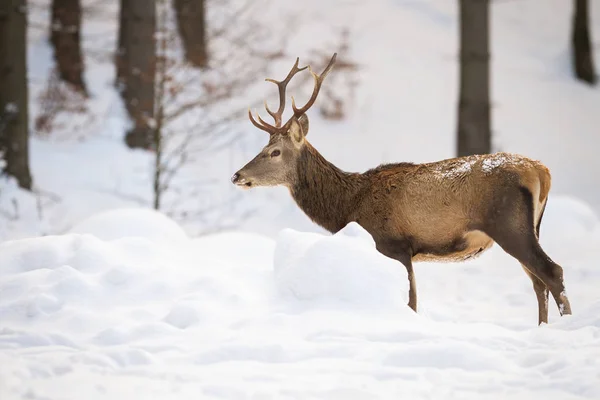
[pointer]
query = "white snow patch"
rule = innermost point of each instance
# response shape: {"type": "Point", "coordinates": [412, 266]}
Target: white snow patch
{"type": "Point", "coordinates": [343, 268]}
{"type": "Point", "coordinates": [455, 170]}
{"type": "Point", "coordinates": [491, 163]}
{"type": "Point", "coordinates": [567, 217]}
{"type": "Point", "coordinates": [11, 108]}
{"type": "Point", "coordinates": [134, 222]}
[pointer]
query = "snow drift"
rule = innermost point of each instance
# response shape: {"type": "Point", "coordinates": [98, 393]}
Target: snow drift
{"type": "Point", "coordinates": [240, 316]}
{"type": "Point", "coordinates": [342, 269]}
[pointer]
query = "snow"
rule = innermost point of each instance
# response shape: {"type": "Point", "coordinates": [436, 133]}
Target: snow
{"type": "Point", "coordinates": [489, 164]}
{"type": "Point", "coordinates": [456, 169]}
{"type": "Point", "coordinates": [11, 108]}
{"type": "Point", "coordinates": [339, 269]}
{"type": "Point", "coordinates": [102, 297]}
{"type": "Point", "coordinates": [137, 222]}
{"type": "Point", "coordinates": [242, 316]}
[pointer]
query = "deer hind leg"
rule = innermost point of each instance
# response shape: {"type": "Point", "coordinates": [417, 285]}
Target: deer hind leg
{"type": "Point", "coordinates": [511, 226]}
{"type": "Point", "coordinates": [541, 293]}
{"type": "Point", "coordinates": [400, 250]}
{"type": "Point", "coordinates": [540, 288]}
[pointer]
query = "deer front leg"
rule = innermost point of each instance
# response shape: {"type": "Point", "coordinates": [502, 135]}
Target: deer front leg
{"type": "Point", "coordinates": [412, 290]}
{"type": "Point", "coordinates": [400, 250]}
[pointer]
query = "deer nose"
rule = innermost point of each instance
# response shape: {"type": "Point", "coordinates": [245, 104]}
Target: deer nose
{"type": "Point", "coordinates": [237, 179]}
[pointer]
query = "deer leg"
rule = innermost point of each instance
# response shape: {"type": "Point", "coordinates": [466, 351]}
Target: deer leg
{"type": "Point", "coordinates": [400, 250]}
{"type": "Point", "coordinates": [540, 288]}
{"type": "Point", "coordinates": [511, 226]}
{"type": "Point", "coordinates": [528, 251]}
{"type": "Point", "coordinates": [541, 293]}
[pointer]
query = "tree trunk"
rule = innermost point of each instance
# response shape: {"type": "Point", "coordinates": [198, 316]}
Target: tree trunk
{"type": "Point", "coordinates": [191, 23]}
{"type": "Point", "coordinates": [474, 122]}
{"type": "Point", "coordinates": [136, 64]}
{"type": "Point", "coordinates": [14, 118]}
{"type": "Point", "coordinates": [583, 59]}
{"type": "Point", "coordinates": [121, 55]}
{"type": "Point", "coordinates": [65, 38]}
{"type": "Point", "coordinates": [161, 88]}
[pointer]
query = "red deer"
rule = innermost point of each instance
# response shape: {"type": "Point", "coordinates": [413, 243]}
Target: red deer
{"type": "Point", "coordinates": [449, 210]}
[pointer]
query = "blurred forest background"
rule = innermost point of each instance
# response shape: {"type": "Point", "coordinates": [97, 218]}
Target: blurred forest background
{"type": "Point", "coordinates": [143, 103]}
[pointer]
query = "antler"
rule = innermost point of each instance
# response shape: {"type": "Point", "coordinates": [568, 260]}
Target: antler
{"type": "Point", "coordinates": [318, 81]}
{"type": "Point", "coordinates": [282, 87]}
{"type": "Point", "coordinates": [276, 115]}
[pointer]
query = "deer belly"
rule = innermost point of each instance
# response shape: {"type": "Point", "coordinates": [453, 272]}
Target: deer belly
{"type": "Point", "coordinates": [469, 246]}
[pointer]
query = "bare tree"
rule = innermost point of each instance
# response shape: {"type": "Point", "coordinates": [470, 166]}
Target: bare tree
{"type": "Point", "coordinates": [582, 54]}
{"type": "Point", "coordinates": [191, 23]}
{"type": "Point", "coordinates": [162, 78]}
{"type": "Point", "coordinates": [197, 112]}
{"type": "Point", "coordinates": [120, 56]}
{"type": "Point", "coordinates": [14, 124]}
{"type": "Point", "coordinates": [136, 64]}
{"type": "Point", "coordinates": [65, 38]}
{"type": "Point", "coordinates": [186, 97]}
{"type": "Point", "coordinates": [474, 122]}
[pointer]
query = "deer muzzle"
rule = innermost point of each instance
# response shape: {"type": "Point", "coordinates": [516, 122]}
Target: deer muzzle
{"type": "Point", "coordinates": [239, 180]}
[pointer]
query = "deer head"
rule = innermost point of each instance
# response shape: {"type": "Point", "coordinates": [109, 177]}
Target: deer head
{"type": "Point", "coordinates": [276, 163]}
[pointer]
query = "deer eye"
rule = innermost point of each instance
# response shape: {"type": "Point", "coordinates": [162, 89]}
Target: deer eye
{"type": "Point", "coordinates": [275, 153]}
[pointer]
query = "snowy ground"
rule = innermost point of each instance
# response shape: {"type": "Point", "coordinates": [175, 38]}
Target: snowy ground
{"type": "Point", "coordinates": [126, 305]}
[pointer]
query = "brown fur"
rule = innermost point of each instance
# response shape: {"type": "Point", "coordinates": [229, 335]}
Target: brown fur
{"type": "Point", "coordinates": [437, 205]}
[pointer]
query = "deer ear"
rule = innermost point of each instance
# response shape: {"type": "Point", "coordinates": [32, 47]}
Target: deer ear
{"type": "Point", "coordinates": [303, 120]}
{"type": "Point", "coordinates": [297, 129]}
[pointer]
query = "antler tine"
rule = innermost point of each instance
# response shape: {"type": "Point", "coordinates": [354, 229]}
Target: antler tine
{"type": "Point", "coordinates": [270, 129]}
{"type": "Point", "coordinates": [318, 81]}
{"type": "Point", "coordinates": [281, 85]}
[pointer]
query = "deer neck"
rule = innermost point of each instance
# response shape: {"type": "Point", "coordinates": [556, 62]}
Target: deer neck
{"type": "Point", "coordinates": [325, 193]}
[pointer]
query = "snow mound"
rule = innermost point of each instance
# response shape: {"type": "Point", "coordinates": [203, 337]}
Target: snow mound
{"type": "Point", "coordinates": [201, 318]}
{"type": "Point", "coordinates": [238, 248]}
{"type": "Point", "coordinates": [569, 217]}
{"type": "Point", "coordinates": [344, 268]}
{"type": "Point", "coordinates": [79, 252]}
{"type": "Point", "coordinates": [131, 222]}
